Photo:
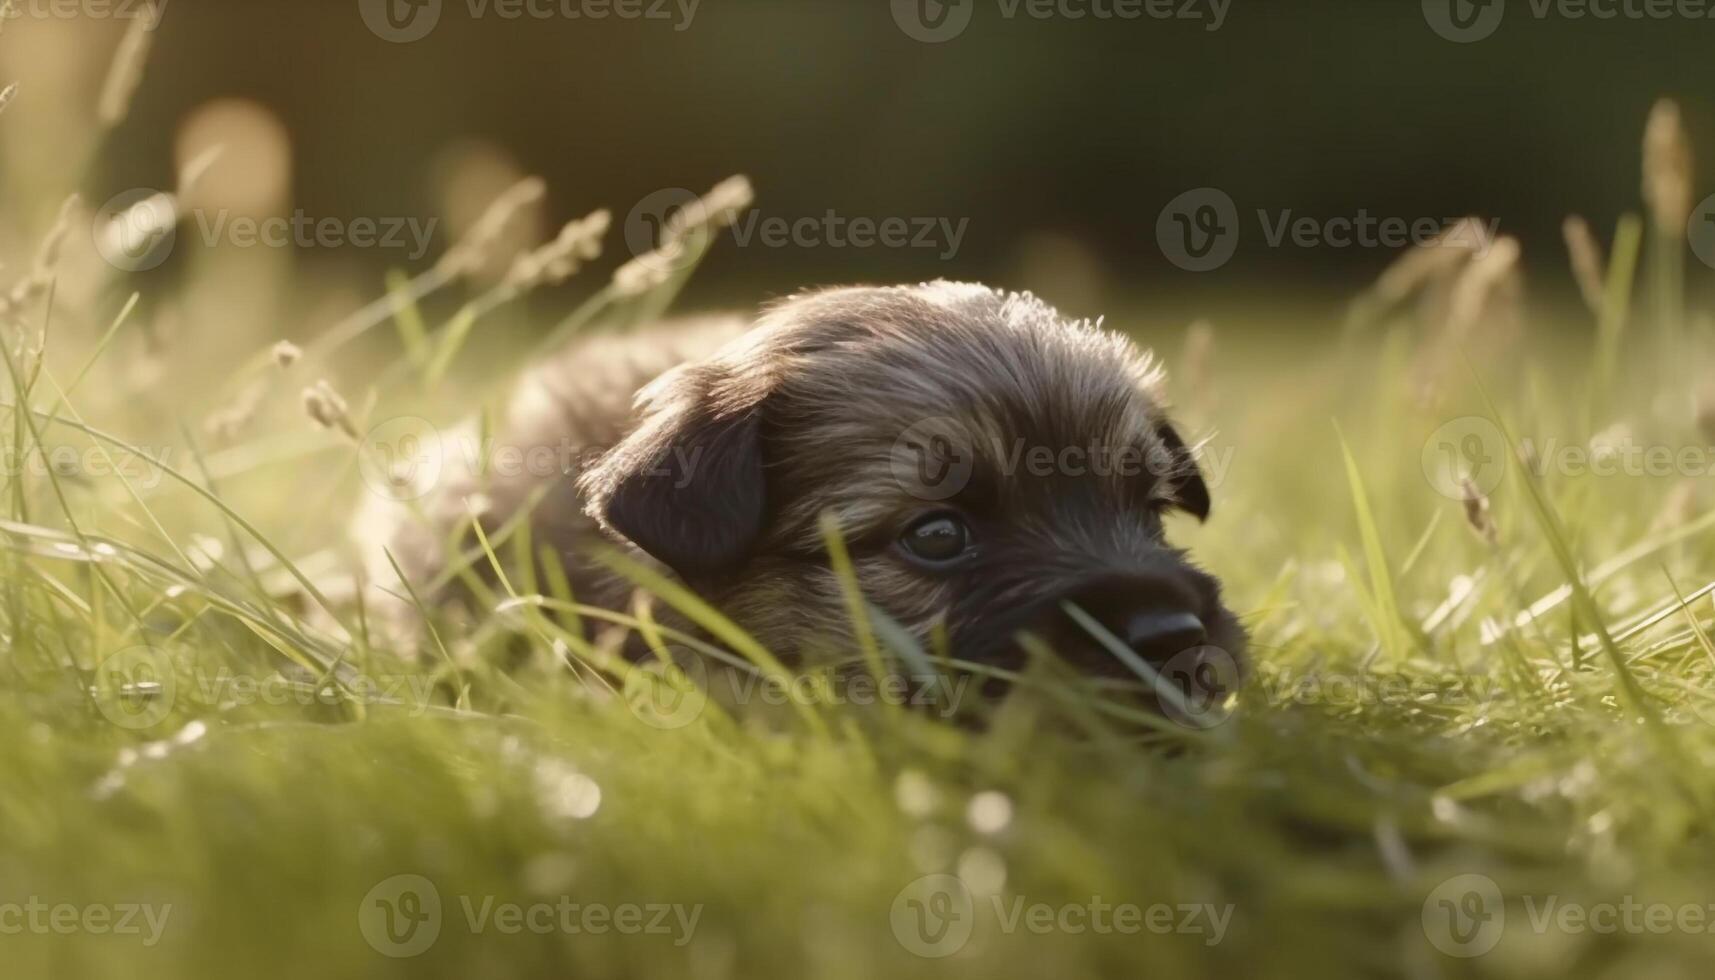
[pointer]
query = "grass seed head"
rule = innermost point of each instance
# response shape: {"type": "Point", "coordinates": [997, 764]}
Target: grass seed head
{"type": "Point", "coordinates": [578, 242]}
{"type": "Point", "coordinates": [285, 354]}
{"type": "Point", "coordinates": [476, 249]}
{"type": "Point", "coordinates": [1667, 169]}
{"type": "Point", "coordinates": [717, 209]}
{"type": "Point", "coordinates": [327, 409]}
{"type": "Point", "coordinates": [648, 270]}
{"type": "Point", "coordinates": [1478, 516]}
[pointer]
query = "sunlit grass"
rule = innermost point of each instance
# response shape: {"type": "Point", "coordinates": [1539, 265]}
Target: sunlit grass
{"type": "Point", "coordinates": [1520, 686]}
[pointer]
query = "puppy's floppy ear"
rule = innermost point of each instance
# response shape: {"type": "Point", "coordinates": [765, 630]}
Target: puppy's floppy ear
{"type": "Point", "coordinates": [687, 485]}
{"type": "Point", "coordinates": [1184, 481]}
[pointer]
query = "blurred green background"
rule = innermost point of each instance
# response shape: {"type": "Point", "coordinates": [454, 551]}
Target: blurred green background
{"type": "Point", "coordinates": [1059, 139]}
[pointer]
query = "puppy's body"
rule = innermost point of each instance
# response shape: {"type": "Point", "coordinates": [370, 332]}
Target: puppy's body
{"type": "Point", "coordinates": [937, 424]}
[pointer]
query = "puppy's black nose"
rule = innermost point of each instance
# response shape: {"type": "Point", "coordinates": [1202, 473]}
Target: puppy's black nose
{"type": "Point", "coordinates": [1153, 615]}
{"type": "Point", "coordinates": [1159, 636]}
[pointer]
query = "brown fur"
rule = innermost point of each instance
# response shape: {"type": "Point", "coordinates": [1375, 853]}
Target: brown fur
{"type": "Point", "coordinates": [737, 441]}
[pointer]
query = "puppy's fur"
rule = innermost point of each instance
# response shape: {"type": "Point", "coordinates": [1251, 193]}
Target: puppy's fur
{"type": "Point", "coordinates": [880, 406]}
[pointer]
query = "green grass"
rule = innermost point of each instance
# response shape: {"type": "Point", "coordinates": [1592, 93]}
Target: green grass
{"type": "Point", "coordinates": [1383, 747]}
{"type": "Point", "coordinates": [192, 723]}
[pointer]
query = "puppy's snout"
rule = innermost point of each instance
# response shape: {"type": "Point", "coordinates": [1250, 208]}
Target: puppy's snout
{"type": "Point", "coordinates": [1159, 636]}
{"type": "Point", "coordinates": [1155, 616]}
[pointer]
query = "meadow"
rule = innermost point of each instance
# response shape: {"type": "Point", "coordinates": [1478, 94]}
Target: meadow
{"type": "Point", "coordinates": [1471, 541]}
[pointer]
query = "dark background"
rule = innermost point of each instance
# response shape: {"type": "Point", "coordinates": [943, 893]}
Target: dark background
{"type": "Point", "coordinates": [1077, 129]}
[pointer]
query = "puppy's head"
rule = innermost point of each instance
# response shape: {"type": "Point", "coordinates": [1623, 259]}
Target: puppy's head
{"type": "Point", "coordinates": [990, 464]}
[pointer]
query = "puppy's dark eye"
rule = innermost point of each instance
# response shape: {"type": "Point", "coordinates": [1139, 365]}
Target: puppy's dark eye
{"type": "Point", "coordinates": [938, 540]}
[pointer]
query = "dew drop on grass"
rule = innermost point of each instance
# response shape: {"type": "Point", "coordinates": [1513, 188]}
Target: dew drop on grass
{"type": "Point", "coordinates": [564, 793]}
{"type": "Point", "coordinates": [983, 871]}
{"type": "Point", "coordinates": [989, 812]}
{"type": "Point", "coordinates": [914, 793]}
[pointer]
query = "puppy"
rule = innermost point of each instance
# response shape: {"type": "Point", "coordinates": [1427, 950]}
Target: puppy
{"type": "Point", "coordinates": [991, 466]}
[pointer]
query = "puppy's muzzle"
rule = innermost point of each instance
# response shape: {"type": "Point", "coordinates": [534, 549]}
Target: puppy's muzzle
{"type": "Point", "coordinates": [1157, 616]}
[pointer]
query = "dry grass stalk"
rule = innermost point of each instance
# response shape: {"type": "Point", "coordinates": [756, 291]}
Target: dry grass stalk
{"type": "Point", "coordinates": [1587, 261]}
{"type": "Point", "coordinates": [1195, 373]}
{"type": "Point", "coordinates": [1478, 516]}
{"type": "Point", "coordinates": [33, 286]}
{"type": "Point", "coordinates": [327, 409]}
{"type": "Point", "coordinates": [126, 72]}
{"type": "Point", "coordinates": [648, 270]}
{"type": "Point", "coordinates": [719, 208]}
{"type": "Point", "coordinates": [285, 354]}
{"type": "Point", "coordinates": [1478, 283]}
{"type": "Point", "coordinates": [476, 249]}
{"type": "Point", "coordinates": [578, 242]}
{"type": "Point", "coordinates": [7, 94]}
{"type": "Point", "coordinates": [228, 423]}
{"type": "Point", "coordinates": [1667, 169]}
{"type": "Point", "coordinates": [1679, 509]}
{"type": "Point", "coordinates": [1420, 268]}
